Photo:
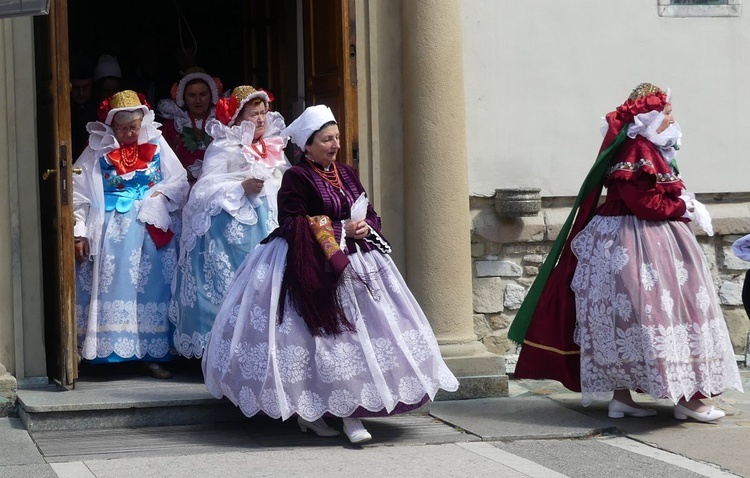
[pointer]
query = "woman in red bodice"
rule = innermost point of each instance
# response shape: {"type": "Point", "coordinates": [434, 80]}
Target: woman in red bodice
{"type": "Point", "coordinates": [186, 115]}
{"type": "Point", "coordinates": [626, 301]}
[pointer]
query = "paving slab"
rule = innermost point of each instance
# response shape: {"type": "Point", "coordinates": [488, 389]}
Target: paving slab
{"type": "Point", "coordinates": [28, 471]}
{"type": "Point", "coordinates": [17, 447]}
{"type": "Point", "coordinates": [19, 456]}
{"type": "Point", "coordinates": [435, 461]}
{"type": "Point", "coordinates": [720, 443]}
{"type": "Point", "coordinates": [601, 459]}
{"type": "Point", "coordinates": [517, 418]}
{"type": "Point", "coordinates": [723, 443]}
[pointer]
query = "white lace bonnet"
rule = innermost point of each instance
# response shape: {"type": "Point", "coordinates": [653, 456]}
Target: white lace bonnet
{"type": "Point", "coordinates": [214, 84]}
{"type": "Point", "coordinates": [310, 121]}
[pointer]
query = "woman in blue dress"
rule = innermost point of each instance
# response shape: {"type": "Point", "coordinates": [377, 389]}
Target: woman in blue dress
{"type": "Point", "coordinates": [232, 207]}
{"type": "Point", "coordinates": [126, 204]}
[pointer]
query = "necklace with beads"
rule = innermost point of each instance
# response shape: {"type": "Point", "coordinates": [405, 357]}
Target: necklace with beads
{"type": "Point", "coordinates": [331, 176]}
{"type": "Point", "coordinates": [129, 155]}
{"type": "Point", "coordinates": [263, 151]}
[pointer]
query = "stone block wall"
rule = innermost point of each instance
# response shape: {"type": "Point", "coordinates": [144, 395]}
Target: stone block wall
{"type": "Point", "coordinates": [507, 253]}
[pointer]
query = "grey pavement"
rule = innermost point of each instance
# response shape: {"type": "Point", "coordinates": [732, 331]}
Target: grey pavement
{"type": "Point", "coordinates": [541, 430]}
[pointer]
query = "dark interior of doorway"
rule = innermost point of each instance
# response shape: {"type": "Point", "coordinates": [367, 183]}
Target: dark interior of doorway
{"type": "Point", "coordinates": [240, 41]}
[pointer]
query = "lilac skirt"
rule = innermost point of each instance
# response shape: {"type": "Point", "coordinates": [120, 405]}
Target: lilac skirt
{"type": "Point", "coordinates": [390, 364]}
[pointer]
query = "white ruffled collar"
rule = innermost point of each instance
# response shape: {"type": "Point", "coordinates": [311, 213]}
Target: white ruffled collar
{"type": "Point", "coordinates": [102, 138]}
{"type": "Point", "coordinates": [243, 134]}
{"type": "Point", "coordinates": [646, 124]}
{"type": "Point", "coordinates": [169, 110]}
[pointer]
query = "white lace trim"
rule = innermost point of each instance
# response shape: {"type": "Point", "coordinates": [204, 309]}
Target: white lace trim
{"type": "Point", "coordinates": [243, 133]}
{"type": "Point", "coordinates": [102, 138]}
{"type": "Point", "coordinates": [156, 212]}
{"type": "Point", "coordinates": [646, 124]}
{"type": "Point", "coordinates": [226, 164]}
{"type": "Point", "coordinates": [377, 240]}
{"type": "Point", "coordinates": [169, 110]}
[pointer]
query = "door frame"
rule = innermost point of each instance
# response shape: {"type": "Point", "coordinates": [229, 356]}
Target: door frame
{"type": "Point", "coordinates": [331, 77]}
{"type": "Point", "coordinates": [55, 169]}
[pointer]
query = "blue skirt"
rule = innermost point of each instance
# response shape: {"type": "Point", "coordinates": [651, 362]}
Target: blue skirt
{"type": "Point", "coordinates": [205, 275]}
{"type": "Point", "coordinates": [122, 298]}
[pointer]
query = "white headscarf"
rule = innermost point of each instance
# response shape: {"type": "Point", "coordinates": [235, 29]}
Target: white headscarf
{"type": "Point", "coordinates": [310, 121]}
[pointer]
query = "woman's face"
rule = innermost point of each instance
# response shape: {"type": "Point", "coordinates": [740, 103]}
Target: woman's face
{"type": "Point", "coordinates": [325, 146]}
{"type": "Point", "coordinates": [668, 119]}
{"type": "Point", "coordinates": [198, 98]}
{"type": "Point", "coordinates": [256, 113]}
{"type": "Point", "coordinates": [126, 133]}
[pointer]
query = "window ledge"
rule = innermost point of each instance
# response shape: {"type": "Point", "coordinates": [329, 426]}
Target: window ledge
{"type": "Point", "coordinates": [666, 9]}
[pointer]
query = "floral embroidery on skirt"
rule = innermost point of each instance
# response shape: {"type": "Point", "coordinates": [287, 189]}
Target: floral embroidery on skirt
{"type": "Point", "coordinates": [648, 317]}
{"type": "Point", "coordinates": [281, 369]}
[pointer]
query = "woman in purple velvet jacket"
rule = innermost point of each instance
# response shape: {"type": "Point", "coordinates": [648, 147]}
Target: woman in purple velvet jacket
{"type": "Point", "coordinates": [318, 321]}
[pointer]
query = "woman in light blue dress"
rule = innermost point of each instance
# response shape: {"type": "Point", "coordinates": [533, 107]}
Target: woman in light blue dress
{"type": "Point", "coordinates": [232, 207]}
{"type": "Point", "coordinates": [126, 204]}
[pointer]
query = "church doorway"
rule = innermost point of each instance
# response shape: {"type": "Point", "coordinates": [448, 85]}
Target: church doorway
{"type": "Point", "coordinates": [303, 51]}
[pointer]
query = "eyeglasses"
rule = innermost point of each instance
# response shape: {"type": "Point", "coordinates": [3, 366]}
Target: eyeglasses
{"type": "Point", "coordinates": [133, 128]}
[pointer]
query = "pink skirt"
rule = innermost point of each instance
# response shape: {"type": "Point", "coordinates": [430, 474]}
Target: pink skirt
{"type": "Point", "coordinates": [648, 317]}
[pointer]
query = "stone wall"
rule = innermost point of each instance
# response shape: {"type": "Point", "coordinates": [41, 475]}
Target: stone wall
{"type": "Point", "coordinates": [507, 253]}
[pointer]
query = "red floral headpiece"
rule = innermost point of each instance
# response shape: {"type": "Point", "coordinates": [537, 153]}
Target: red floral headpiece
{"type": "Point", "coordinates": [227, 109]}
{"type": "Point", "coordinates": [644, 98]}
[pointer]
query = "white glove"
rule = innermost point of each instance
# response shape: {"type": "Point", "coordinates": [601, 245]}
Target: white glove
{"type": "Point", "coordinates": [688, 198]}
{"type": "Point", "coordinates": [702, 217]}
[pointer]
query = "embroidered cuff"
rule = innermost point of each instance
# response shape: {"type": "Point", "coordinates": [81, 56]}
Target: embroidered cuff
{"type": "Point", "coordinates": [377, 240]}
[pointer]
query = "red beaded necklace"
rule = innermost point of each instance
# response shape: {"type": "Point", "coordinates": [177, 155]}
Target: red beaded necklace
{"type": "Point", "coordinates": [263, 151]}
{"type": "Point", "coordinates": [129, 155]}
{"type": "Point", "coordinates": [331, 176]}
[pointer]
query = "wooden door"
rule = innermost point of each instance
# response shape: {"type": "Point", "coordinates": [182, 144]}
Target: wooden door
{"type": "Point", "coordinates": [55, 167]}
{"type": "Point", "coordinates": [330, 66]}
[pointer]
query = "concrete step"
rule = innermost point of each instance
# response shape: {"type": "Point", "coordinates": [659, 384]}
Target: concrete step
{"type": "Point", "coordinates": [123, 402]}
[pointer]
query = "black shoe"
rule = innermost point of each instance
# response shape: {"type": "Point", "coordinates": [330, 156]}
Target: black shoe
{"type": "Point", "coordinates": [155, 370]}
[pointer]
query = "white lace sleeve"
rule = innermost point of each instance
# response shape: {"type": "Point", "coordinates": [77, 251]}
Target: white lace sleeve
{"type": "Point", "coordinates": [88, 200]}
{"type": "Point", "coordinates": [173, 188]}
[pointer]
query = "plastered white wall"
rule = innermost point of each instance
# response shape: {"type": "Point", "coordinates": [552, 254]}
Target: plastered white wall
{"type": "Point", "coordinates": [540, 74]}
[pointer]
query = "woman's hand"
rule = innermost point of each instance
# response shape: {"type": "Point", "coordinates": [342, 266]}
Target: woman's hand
{"type": "Point", "coordinates": [82, 248]}
{"type": "Point", "coordinates": [357, 229]}
{"type": "Point", "coordinates": [687, 198]}
{"type": "Point", "coordinates": [156, 193]}
{"type": "Point", "coordinates": [252, 186]}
